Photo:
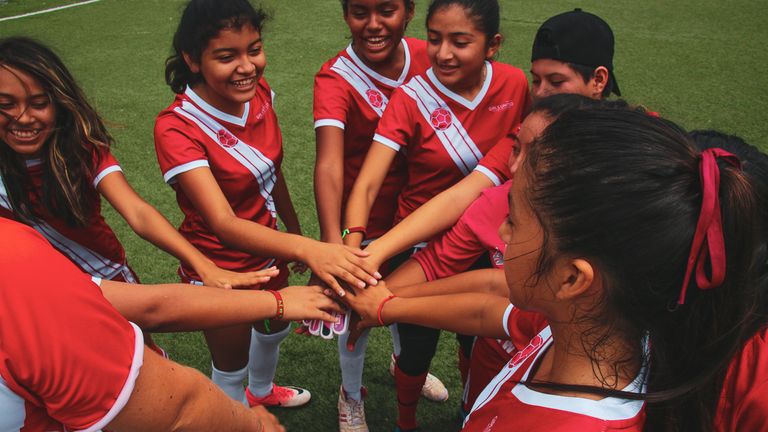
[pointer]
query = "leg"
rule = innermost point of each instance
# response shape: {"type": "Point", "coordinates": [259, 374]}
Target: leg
{"type": "Point", "coordinates": [419, 345]}
{"type": "Point", "coordinates": [229, 352]}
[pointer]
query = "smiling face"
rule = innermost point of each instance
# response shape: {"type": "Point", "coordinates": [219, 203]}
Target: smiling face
{"type": "Point", "coordinates": [27, 114]}
{"type": "Point", "coordinates": [377, 28]}
{"type": "Point", "coordinates": [458, 50]}
{"type": "Point", "coordinates": [231, 66]}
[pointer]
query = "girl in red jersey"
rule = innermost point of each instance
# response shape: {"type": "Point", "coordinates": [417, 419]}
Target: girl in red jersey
{"type": "Point", "coordinates": [219, 146]}
{"type": "Point", "coordinates": [352, 90]}
{"type": "Point", "coordinates": [55, 164]}
{"type": "Point", "coordinates": [444, 121]}
{"type": "Point", "coordinates": [618, 234]}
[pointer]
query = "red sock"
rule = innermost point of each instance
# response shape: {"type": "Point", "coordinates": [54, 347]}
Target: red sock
{"type": "Point", "coordinates": [408, 394]}
{"type": "Point", "coordinates": [463, 367]}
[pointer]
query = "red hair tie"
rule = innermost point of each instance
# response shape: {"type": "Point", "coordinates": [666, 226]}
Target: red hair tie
{"type": "Point", "coordinates": [710, 225]}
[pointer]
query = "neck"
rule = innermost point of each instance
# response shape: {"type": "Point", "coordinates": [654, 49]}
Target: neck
{"type": "Point", "coordinates": [469, 90]}
{"type": "Point", "coordinates": [572, 358]}
{"type": "Point", "coordinates": [230, 107]}
{"type": "Point", "coordinates": [391, 67]}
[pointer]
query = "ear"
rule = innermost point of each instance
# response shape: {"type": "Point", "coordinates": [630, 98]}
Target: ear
{"type": "Point", "coordinates": [599, 81]}
{"type": "Point", "coordinates": [577, 276]}
{"type": "Point", "coordinates": [493, 46]}
{"type": "Point", "coordinates": [192, 64]}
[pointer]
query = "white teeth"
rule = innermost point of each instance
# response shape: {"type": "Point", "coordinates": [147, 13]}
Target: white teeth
{"type": "Point", "coordinates": [376, 42]}
{"type": "Point", "coordinates": [244, 82]}
{"type": "Point", "coordinates": [25, 133]}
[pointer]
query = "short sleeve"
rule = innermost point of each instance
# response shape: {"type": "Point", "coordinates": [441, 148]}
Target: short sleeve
{"type": "Point", "coordinates": [177, 151]}
{"type": "Point", "coordinates": [521, 326]}
{"type": "Point", "coordinates": [398, 123]}
{"type": "Point", "coordinates": [51, 321]}
{"type": "Point", "coordinates": [451, 253]}
{"type": "Point", "coordinates": [495, 164]}
{"type": "Point", "coordinates": [331, 100]}
{"type": "Point", "coordinates": [105, 164]}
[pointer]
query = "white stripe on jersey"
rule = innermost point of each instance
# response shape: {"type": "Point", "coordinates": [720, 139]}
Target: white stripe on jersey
{"type": "Point", "coordinates": [12, 410]}
{"type": "Point", "coordinates": [361, 83]}
{"type": "Point", "coordinates": [108, 170]}
{"type": "Point", "coordinates": [379, 77]}
{"type": "Point", "coordinates": [90, 261]}
{"type": "Point", "coordinates": [251, 158]}
{"type": "Point", "coordinates": [488, 173]}
{"type": "Point", "coordinates": [455, 139]}
{"type": "Point", "coordinates": [492, 389]}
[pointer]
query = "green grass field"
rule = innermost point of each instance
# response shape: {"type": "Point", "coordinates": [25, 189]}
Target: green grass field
{"type": "Point", "coordinates": [701, 64]}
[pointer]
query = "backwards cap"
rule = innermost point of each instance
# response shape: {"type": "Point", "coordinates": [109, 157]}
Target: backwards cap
{"type": "Point", "coordinates": [576, 37]}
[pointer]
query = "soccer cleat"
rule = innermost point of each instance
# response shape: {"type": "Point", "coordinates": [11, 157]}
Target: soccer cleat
{"type": "Point", "coordinates": [351, 413]}
{"type": "Point", "coordinates": [433, 388]}
{"type": "Point", "coordinates": [284, 397]}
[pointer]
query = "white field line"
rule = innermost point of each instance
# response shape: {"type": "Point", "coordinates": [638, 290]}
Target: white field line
{"type": "Point", "coordinates": [82, 3]}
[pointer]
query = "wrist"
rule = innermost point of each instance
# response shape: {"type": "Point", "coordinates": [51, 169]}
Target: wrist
{"type": "Point", "coordinates": [380, 310]}
{"type": "Point", "coordinates": [280, 306]}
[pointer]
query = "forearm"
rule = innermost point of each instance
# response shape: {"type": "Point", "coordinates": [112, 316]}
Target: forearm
{"type": "Point", "coordinates": [358, 209]}
{"type": "Point", "coordinates": [472, 314]}
{"type": "Point", "coordinates": [257, 239]}
{"type": "Point", "coordinates": [153, 227]}
{"type": "Point", "coordinates": [486, 281]}
{"type": "Point", "coordinates": [329, 185]}
{"type": "Point", "coordinates": [284, 206]}
{"type": "Point", "coordinates": [183, 307]}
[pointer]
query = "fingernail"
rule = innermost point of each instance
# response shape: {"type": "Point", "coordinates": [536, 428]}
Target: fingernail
{"type": "Point", "coordinates": [361, 284]}
{"type": "Point", "coordinates": [342, 293]}
{"type": "Point", "coordinates": [377, 275]}
{"type": "Point", "coordinates": [372, 281]}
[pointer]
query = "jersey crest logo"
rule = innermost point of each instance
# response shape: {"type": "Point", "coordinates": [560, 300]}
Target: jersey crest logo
{"type": "Point", "coordinates": [226, 138]}
{"type": "Point", "coordinates": [441, 119]}
{"type": "Point", "coordinates": [533, 345]}
{"type": "Point", "coordinates": [375, 98]}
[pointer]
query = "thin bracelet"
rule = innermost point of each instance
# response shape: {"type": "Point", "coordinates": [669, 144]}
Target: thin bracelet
{"type": "Point", "coordinates": [381, 307]}
{"type": "Point", "coordinates": [356, 229]}
{"type": "Point", "coordinates": [280, 304]}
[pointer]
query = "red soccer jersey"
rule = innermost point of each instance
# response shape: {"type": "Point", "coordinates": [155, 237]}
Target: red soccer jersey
{"type": "Point", "coordinates": [94, 247]}
{"type": "Point", "coordinates": [744, 398]}
{"type": "Point", "coordinates": [52, 376]}
{"type": "Point", "coordinates": [444, 136]}
{"type": "Point", "coordinates": [243, 153]}
{"type": "Point", "coordinates": [351, 96]}
{"type": "Point", "coordinates": [506, 405]}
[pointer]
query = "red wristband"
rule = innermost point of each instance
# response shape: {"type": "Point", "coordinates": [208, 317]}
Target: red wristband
{"type": "Point", "coordinates": [381, 307]}
{"type": "Point", "coordinates": [355, 229]}
{"type": "Point", "coordinates": [280, 305]}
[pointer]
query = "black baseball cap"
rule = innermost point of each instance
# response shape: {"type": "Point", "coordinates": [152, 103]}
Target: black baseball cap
{"type": "Point", "coordinates": [576, 37]}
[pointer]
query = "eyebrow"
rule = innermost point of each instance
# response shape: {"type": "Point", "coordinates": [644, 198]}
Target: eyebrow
{"type": "Point", "coordinates": [230, 49]}
{"type": "Point", "coordinates": [452, 33]}
{"type": "Point", "coordinates": [38, 95]}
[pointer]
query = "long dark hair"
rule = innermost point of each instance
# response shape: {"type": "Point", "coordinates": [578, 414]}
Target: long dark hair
{"type": "Point", "coordinates": [200, 22]}
{"type": "Point", "coordinates": [622, 190]}
{"type": "Point", "coordinates": [68, 156]}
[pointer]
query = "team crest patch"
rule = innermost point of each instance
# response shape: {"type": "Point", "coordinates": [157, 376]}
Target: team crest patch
{"type": "Point", "coordinates": [533, 345]}
{"type": "Point", "coordinates": [375, 98]}
{"type": "Point", "coordinates": [441, 119]}
{"type": "Point", "coordinates": [226, 138]}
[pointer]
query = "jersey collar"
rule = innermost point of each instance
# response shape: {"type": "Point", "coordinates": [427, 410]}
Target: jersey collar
{"type": "Point", "coordinates": [469, 104]}
{"type": "Point", "coordinates": [379, 77]}
{"type": "Point", "coordinates": [221, 115]}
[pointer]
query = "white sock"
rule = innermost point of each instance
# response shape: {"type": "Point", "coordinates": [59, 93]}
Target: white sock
{"type": "Point", "coordinates": [230, 382]}
{"type": "Point", "coordinates": [352, 363]}
{"type": "Point", "coordinates": [262, 361]}
{"type": "Point", "coordinates": [395, 339]}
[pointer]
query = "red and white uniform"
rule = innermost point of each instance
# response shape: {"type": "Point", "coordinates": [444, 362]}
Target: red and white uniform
{"type": "Point", "coordinates": [243, 153]}
{"type": "Point", "coordinates": [52, 376]}
{"type": "Point", "coordinates": [744, 398]}
{"type": "Point", "coordinates": [351, 96]}
{"type": "Point", "coordinates": [475, 233]}
{"type": "Point", "coordinates": [94, 247]}
{"type": "Point", "coordinates": [506, 405]}
{"type": "Point", "coordinates": [444, 136]}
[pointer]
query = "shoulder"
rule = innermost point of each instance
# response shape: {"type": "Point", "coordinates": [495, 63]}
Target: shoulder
{"type": "Point", "coordinates": [416, 46]}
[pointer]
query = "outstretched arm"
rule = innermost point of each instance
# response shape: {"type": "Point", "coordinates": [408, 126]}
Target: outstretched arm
{"type": "Point", "coordinates": [485, 281]}
{"type": "Point", "coordinates": [180, 307]}
{"type": "Point", "coordinates": [329, 181]}
{"type": "Point", "coordinates": [327, 261]}
{"type": "Point", "coordinates": [435, 216]}
{"type": "Point", "coordinates": [152, 226]}
{"type": "Point", "coordinates": [171, 397]}
{"type": "Point", "coordinates": [473, 313]}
